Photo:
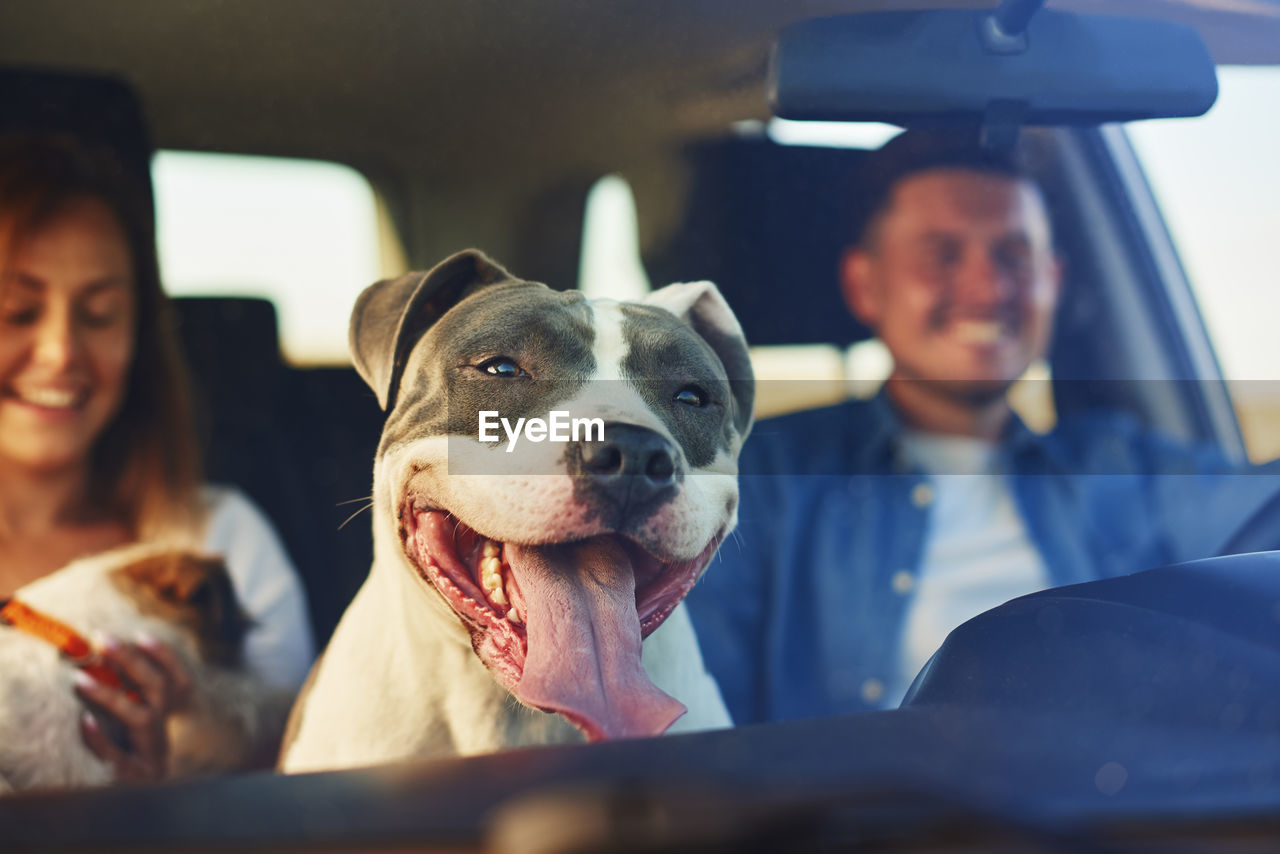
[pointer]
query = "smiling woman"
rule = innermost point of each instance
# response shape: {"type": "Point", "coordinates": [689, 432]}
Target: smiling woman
{"type": "Point", "coordinates": [71, 286]}
{"type": "Point", "coordinates": [86, 334]}
{"type": "Point", "coordinates": [97, 450]}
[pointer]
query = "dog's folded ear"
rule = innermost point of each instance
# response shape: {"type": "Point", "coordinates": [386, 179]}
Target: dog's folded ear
{"type": "Point", "coordinates": [701, 305]}
{"type": "Point", "coordinates": [391, 315]}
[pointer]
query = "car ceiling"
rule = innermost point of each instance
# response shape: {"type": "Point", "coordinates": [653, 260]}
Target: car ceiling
{"type": "Point", "coordinates": [474, 95]}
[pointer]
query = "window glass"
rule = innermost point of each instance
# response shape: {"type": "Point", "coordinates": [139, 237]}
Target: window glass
{"type": "Point", "coordinates": [302, 233]}
{"type": "Point", "coordinates": [610, 266]}
{"type": "Point", "coordinates": [1217, 180]}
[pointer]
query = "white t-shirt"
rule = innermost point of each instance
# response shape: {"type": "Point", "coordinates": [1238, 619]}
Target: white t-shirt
{"type": "Point", "coordinates": [278, 647]}
{"type": "Point", "coordinates": [977, 553]}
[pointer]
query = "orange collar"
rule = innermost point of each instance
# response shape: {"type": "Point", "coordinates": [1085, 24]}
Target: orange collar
{"type": "Point", "coordinates": [69, 642]}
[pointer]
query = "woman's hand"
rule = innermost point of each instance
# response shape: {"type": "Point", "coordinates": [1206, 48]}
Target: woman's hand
{"type": "Point", "coordinates": [162, 685]}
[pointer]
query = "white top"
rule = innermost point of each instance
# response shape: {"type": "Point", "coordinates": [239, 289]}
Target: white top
{"type": "Point", "coordinates": [977, 552]}
{"type": "Point", "coordinates": [278, 647]}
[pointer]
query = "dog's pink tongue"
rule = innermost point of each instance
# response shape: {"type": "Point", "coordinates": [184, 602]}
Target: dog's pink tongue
{"type": "Point", "coordinates": [584, 640]}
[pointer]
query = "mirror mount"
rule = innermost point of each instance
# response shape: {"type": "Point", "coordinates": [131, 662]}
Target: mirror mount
{"type": "Point", "coordinates": [1004, 31]}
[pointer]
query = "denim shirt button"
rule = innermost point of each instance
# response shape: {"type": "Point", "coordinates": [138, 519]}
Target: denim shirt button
{"type": "Point", "coordinates": [922, 495]}
{"type": "Point", "coordinates": [872, 691]}
{"type": "Point", "coordinates": [903, 582]}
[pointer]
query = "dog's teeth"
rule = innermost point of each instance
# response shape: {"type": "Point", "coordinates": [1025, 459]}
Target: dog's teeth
{"type": "Point", "coordinates": [491, 580]}
{"type": "Point", "coordinates": [491, 573]}
{"type": "Point", "coordinates": [514, 616]}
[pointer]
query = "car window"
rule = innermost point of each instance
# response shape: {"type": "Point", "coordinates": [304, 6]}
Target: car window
{"type": "Point", "coordinates": [789, 377]}
{"type": "Point", "coordinates": [307, 234]}
{"type": "Point", "coordinates": [1217, 179]}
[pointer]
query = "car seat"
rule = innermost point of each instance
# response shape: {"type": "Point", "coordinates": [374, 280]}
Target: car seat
{"type": "Point", "coordinates": [768, 223]}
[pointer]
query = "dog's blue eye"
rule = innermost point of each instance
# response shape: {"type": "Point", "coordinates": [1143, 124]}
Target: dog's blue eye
{"type": "Point", "coordinates": [691, 395]}
{"type": "Point", "coordinates": [501, 366]}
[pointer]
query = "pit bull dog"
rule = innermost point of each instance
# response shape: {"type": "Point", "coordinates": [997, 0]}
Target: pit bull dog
{"type": "Point", "coordinates": [553, 477]}
{"type": "Point", "coordinates": [47, 629]}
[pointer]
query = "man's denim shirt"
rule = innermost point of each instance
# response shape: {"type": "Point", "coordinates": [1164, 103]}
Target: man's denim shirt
{"type": "Point", "coordinates": [802, 612]}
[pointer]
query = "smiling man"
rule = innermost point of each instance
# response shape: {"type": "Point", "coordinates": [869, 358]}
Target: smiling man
{"type": "Point", "coordinates": [869, 530]}
{"type": "Point", "coordinates": [957, 275]}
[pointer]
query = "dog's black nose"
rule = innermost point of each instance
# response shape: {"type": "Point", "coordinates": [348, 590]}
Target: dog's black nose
{"type": "Point", "coordinates": [633, 465]}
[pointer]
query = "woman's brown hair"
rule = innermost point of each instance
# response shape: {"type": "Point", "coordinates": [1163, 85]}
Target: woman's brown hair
{"type": "Point", "coordinates": [145, 467]}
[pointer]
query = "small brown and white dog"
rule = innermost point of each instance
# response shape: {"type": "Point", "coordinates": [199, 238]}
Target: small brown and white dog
{"type": "Point", "coordinates": [179, 598]}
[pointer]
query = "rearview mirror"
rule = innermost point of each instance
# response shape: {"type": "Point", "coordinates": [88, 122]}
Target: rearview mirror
{"type": "Point", "coordinates": [911, 68]}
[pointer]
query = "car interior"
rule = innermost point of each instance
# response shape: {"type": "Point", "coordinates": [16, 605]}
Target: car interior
{"type": "Point", "coordinates": [488, 125]}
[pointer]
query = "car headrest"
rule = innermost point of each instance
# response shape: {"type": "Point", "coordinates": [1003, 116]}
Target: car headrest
{"type": "Point", "coordinates": [100, 111]}
{"type": "Point", "coordinates": [232, 345]}
{"type": "Point", "coordinates": [768, 223]}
